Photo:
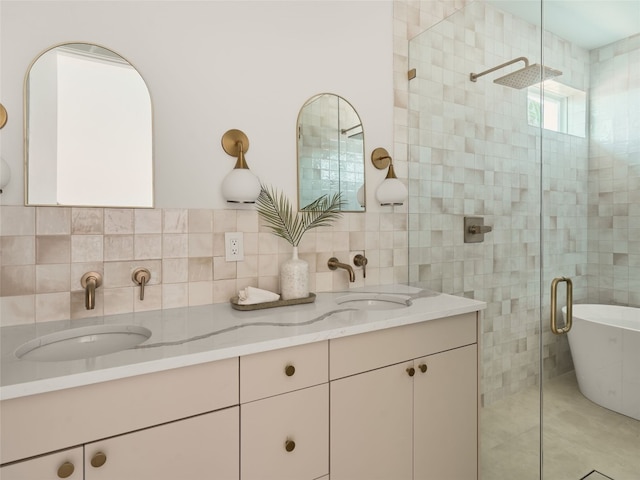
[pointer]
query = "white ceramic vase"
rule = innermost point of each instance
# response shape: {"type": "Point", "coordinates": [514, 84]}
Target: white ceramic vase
{"type": "Point", "coordinates": [294, 278]}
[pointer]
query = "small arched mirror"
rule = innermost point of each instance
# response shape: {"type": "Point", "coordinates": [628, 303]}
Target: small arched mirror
{"type": "Point", "coordinates": [88, 130]}
{"type": "Point", "coordinates": [330, 152]}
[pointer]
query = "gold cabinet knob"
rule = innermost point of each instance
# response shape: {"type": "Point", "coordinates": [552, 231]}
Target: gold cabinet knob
{"type": "Point", "coordinates": [289, 370]}
{"type": "Point", "coordinates": [411, 371]}
{"type": "Point", "coordinates": [66, 470]}
{"type": "Point", "coordinates": [423, 367]}
{"type": "Point", "coordinates": [98, 460]}
{"type": "Point", "coordinates": [289, 445]}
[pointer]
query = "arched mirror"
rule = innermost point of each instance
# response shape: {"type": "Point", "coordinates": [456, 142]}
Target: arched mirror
{"type": "Point", "coordinates": [330, 152]}
{"type": "Point", "coordinates": [88, 130]}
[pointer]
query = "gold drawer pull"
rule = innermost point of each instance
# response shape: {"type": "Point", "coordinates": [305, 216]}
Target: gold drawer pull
{"type": "Point", "coordinates": [289, 370]}
{"type": "Point", "coordinates": [289, 445]}
{"type": "Point", "coordinates": [98, 460]}
{"type": "Point", "coordinates": [411, 371]}
{"type": "Point", "coordinates": [423, 367]}
{"type": "Point", "coordinates": [66, 470]}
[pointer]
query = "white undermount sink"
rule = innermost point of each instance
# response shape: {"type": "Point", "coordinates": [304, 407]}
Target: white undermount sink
{"type": "Point", "coordinates": [374, 301]}
{"type": "Point", "coordinates": [82, 342]}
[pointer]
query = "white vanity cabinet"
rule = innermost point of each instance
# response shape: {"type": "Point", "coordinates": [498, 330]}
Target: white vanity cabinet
{"type": "Point", "coordinates": [284, 397]}
{"type": "Point", "coordinates": [369, 402]}
{"type": "Point", "coordinates": [404, 402]}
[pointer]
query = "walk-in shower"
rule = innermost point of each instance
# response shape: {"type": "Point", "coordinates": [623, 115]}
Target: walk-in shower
{"type": "Point", "coordinates": [560, 204]}
{"type": "Point", "coordinates": [525, 77]}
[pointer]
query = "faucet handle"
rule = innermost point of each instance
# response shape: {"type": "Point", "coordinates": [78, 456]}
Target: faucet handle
{"type": "Point", "coordinates": [361, 261]}
{"type": "Point", "coordinates": [141, 276]}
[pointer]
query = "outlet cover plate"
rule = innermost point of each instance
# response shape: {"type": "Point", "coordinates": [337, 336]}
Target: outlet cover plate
{"type": "Point", "coordinates": [234, 246]}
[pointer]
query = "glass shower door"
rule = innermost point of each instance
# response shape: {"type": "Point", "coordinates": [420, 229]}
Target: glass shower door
{"type": "Point", "coordinates": [590, 144]}
{"type": "Point", "coordinates": [554, 168]}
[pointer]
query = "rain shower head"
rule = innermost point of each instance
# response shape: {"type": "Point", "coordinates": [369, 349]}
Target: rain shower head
{"type": "Point", "coordinates": [525, 77]}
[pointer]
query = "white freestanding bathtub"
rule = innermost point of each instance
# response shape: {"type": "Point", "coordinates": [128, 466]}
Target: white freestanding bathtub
{"type": "Point", "coordinates": [605, 346]}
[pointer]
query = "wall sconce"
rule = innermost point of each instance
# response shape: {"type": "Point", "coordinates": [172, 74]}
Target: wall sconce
{"type": "Point", "coordinates": [391, 191]}
{"type": "Point", "coordinates": [5, 174]}
{"type": "Point", "coordinates": [3, 116]}
{"type": "Point", "coordinates": [240, 185]}
{"type": "Point", "coordinates": [361, 197]}
{"type": "Point", "coordinates": [5, 171]}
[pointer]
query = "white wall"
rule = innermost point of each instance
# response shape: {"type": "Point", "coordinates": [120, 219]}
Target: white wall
{"type": "Point", "coordinates": [212, 66]}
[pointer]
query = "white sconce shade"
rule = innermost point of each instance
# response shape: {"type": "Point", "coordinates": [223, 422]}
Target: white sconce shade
{"type": "Point", "coordinates": [5, 174]}
{"type": "Point", "coordinates": [240, 185]}
{"type": "Point", "coordinates": [360, 196]}
{"type": "Point", "coordinates": [391, 191]}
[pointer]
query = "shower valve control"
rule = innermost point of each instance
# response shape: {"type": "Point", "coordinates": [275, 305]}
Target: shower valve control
{"type": "Point", "coordinates": [474, 229]}
{"type": "Point", "coordinates": [477, 229]}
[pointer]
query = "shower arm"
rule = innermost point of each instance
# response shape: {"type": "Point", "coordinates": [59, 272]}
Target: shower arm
{"type": "Point", "coordinates": [474, 76]}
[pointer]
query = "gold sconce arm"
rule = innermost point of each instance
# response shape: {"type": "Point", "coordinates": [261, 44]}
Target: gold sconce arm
{"type": "Point", "coordinates": [236, 144]}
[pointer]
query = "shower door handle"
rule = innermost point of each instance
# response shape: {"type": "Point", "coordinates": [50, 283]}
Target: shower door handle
{"type": "Point", "coordinates": [554, 305]}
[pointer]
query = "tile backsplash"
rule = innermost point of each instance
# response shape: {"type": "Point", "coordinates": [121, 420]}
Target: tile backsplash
{"type": "Point", "coordinates": [46, 250]}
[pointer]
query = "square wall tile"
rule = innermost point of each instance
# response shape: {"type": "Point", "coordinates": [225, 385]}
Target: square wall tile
{"type": "Point", "coordinates": [87, 221]}
{"type": "Point", "coordinates": [118, 221]}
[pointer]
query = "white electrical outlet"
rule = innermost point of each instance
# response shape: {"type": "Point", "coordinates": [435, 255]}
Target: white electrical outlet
{"type": "Point", "coordinates": [233, 246]}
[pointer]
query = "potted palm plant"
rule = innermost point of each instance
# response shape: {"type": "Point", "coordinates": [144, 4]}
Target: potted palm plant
{"type": "Point", "coordinates": [278, 215]}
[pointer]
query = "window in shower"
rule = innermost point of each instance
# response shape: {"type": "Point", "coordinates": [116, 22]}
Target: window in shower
{"type": "Point", "coordinates": [565, 108]}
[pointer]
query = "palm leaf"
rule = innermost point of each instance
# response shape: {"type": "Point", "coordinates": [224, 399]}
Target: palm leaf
{"type": "Point", "coordinates": [277, 212]}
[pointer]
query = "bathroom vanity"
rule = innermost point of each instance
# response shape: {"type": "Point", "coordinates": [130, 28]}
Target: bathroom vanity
{"type": "Point", "coordinates": [337, 389]}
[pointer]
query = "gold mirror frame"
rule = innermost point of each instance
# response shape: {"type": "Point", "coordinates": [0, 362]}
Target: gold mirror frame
{"type": "Point", "coordinates": [116, 180]}
{"type": "Point", "coordinates": [324, 157]}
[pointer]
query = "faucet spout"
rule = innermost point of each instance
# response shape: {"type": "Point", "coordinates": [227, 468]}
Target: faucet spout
{"type": "Point", "coordinates": [90, 281]}
{"type": "Point", "coordinates": [334, 264]}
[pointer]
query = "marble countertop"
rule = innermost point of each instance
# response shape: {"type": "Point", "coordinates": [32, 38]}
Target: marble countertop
{"type": "Point", "coordinates": [192, 335]}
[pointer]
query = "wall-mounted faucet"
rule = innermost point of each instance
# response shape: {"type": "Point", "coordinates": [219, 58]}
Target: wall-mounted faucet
{"type": "Point", "coordinates": [334, 264]}
{"type": "Point", "coordinates": [90, 281]}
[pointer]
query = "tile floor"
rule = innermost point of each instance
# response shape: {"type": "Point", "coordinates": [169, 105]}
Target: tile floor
{"type": "Point", "coordinates": [579, 437]}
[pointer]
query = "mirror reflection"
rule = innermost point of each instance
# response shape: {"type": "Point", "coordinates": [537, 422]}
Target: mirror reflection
{"type": "Point", "coordinates": [330, 152]}
{"type": "Point", "coordinates": [88, 130]}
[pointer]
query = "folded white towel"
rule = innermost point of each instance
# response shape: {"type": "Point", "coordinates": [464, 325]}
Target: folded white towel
{"type": "Point", "coordinates": [252, 295]}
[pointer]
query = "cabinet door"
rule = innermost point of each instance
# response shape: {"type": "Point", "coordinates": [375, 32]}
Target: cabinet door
{"type": "Point", "coordinates": [66, 464]}
{"type": "Point", "coordinates": [371, 425]}
{"type": "Point", "coordinates": [446, 416]}
{"type": "Point", "coordinates": [197, 448]}
{"type": "Point", "coordinates": [270, 425]}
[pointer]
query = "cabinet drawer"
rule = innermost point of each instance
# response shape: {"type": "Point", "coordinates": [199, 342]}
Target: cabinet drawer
{"type": "Point", "coordinates": [360, 353]}
{"type": "Point", "coordinates": [279, 371]}
{"type": "Point", "coordinates": [66, 464]}
{"type": "Point", "coordinates": [267, 425]}
{"type": "Point", "coordinates": [205, 446]}
{"type": "Point", "coordinates": [82, 414]}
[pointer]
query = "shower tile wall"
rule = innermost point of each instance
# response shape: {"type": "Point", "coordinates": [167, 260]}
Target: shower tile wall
{"type": "Point", "coordinates": [44, 251]}
{"type": "Point", "coordinates": [472, 153]}
{"type": "Point", "coordinates": [614, 174]}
